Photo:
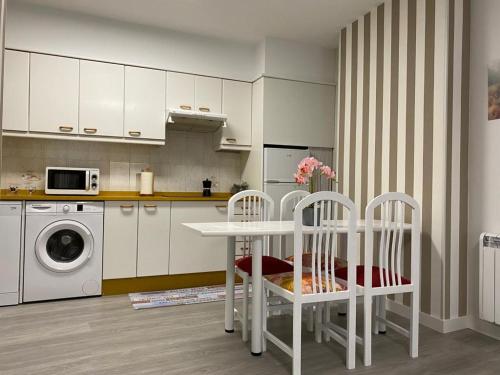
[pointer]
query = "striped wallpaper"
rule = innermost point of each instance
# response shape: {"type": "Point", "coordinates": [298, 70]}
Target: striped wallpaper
{"type": "Point", "coordinates": [402, 126]}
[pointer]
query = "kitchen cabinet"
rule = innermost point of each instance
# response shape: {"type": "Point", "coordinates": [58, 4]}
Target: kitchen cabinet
{"type": "Point", "coordinates": [144, 103]}
{"type": "Point", "coordinates": [180, 91]}
{"type": "Point", "coordinates": [153, 245]}
{"type": "Point", "coordinates": [10, 251]}
{"type": "Point", "coordinates": [54, 90]}
{"type": "Point", "coordinates": [120, 239]}
{"type": "Point", "coordinates": [208, 94]}
{"type": "Point", "coordinates": [16, 91]}
{"type": "Point", "coordinates": [189, 252]}
{"type": "Point", "coordinates": [101, 99]}
{"type": "Point", "coordinates": [196, 93]}
{"type": "Point", "coordinates": [237, 105]}
{"type": "Point", "coordinates": [298, 113]}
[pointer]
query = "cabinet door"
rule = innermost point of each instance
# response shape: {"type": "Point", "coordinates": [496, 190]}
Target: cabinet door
{"type": "Point", "coordinates": [144, 103]}
{"type": "Point", "coordinates": [120, 240]}
{"type": "Point", "coordinates": [237, 105]}
{"type": "Point", "coordinates": [208, 94]}
{"type": "Point", "coordinates": [16, 90]}
{"type": "Point", "coordinates": [153, 245]}
{"type": "Point", "coordinates": [189, 252]}
{"type": "Point", "coordinates": [54, 86]}
{"type": "Point", "coordinates": [101, 99]}
{"type": "Point", "coordinates": [180, 91]}
{"type": "Point", "coordinates": [299, 113]}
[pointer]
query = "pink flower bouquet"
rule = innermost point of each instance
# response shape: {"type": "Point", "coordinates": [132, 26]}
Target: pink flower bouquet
{"type": "Point", "coordinates": [310, 167]}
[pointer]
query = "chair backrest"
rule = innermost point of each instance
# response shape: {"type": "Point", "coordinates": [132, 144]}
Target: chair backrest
{"type": "Point", "coordinates": [392, 226]}
{"type": "Point", "coordinates": [255, 206]}
{"type": "Point", "coordinates": [327, 206]}
{"type": "Point", "coordinates": [287, 205]}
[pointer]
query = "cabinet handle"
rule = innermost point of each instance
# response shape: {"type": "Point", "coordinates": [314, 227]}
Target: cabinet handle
{"type": "Point", "coordinates": [204, 109]}
{"type": "Point", "coordinates": [135, 133]}
{"type": "Point", "coordinates": [65, 128]}
{"type": "Point", "coordinates": [90, 130]}
{"type": "Point", "coordinates": [127, 206]}
{"type": "Point", "coordinates": [231, 140]}
{"type": "Point", "coordinates": [221, 206]}
{"type": "Point", "coordinates": [186, 107]}
{"type": "Point", "coordinates": [150, 206]}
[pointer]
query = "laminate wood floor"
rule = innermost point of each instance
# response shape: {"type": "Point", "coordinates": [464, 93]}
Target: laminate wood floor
{"type": "Point", "coordinates": [106, 336]}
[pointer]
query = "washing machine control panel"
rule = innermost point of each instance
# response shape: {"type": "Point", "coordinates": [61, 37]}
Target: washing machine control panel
{"type": "Point", "coordinates": [80, 207]}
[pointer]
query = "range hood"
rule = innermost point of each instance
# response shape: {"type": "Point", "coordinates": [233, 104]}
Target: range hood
{"type": "Point", "coordinates": [199, 121]}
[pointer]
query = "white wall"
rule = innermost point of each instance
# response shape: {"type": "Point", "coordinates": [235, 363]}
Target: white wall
{"type": "Point", "coordinates": [484, 139]}
{"type": "Point", "coordinates": [49, 30]}
{"type": "Point", "coordinates": [301, 62]}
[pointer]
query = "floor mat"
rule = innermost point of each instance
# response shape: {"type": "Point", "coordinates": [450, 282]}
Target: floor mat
{"type": "Point", "coordinates": [188, 296]}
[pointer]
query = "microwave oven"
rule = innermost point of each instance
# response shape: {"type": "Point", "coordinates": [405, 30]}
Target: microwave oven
{"type": "Point", "coordinates": [71, 181]}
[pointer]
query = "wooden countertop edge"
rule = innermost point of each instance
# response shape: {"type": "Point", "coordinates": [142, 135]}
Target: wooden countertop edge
{"type": "Point", "coordinates": [23, 195]}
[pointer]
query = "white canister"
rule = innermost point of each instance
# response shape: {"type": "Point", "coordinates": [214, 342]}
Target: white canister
{"type": "Point", "coordinates": [147, 182]}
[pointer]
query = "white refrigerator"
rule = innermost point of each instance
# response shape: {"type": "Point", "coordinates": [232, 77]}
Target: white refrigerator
{"type": "Point", "coordinates": [279, 166]}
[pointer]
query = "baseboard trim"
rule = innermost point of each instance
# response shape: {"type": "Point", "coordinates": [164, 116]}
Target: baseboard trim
{"type": "Point", "coordinates": [154, 283]}
{"type": "Point", "coordinates": [439, 325]}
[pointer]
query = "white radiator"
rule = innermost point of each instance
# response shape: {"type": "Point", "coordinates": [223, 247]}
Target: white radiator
{"type": "Point", "coordinates": [489, 277]}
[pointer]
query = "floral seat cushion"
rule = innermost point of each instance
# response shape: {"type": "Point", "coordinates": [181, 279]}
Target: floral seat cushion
{"type": "Point", "coordinates": [285, 281]}
{"type": "Point", "coordinates": [307, 261]}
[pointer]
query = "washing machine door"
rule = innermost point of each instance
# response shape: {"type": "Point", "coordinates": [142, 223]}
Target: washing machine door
{"type": "Point", "coordinates": [64, 246]}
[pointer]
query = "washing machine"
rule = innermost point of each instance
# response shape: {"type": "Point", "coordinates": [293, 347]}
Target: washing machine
{"type": "Point", "coordinates": [63, 250]}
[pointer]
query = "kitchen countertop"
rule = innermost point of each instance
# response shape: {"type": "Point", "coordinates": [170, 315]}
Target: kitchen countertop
{"type": "Point", "coordinates": [39, 195]}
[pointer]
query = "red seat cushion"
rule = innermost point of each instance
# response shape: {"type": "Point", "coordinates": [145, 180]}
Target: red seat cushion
{"type": "Point", "coordinates": [360, 276]}
{"type": "Point", "coordinates": [270, 265]}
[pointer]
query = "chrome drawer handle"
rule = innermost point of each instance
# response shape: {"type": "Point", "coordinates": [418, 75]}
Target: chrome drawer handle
{"type": "Point", "coordinates": [150, 206]}
{"type": "Point", "coordinates": [134, 133]}
{"type": "Point", "coordinates": [221, 206]}
{"type": "Point", "coordinates": [125, 206]}
{"type": "Point", "coordinates": [204, 109]}
{"type": "Point", "coordinates": [231, 140]}
{"type": "Point", "coordinates": [90, 130]}
{"type": "Point", "coordinates": [65, 128]}
{"type": "Point", "coordinates": [185, 107]}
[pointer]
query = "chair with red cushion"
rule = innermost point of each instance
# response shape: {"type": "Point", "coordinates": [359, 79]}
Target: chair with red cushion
{"type": "Point", "coordinates": [386, 277]}
{"type": "Point", "coordinates": [253, 205]}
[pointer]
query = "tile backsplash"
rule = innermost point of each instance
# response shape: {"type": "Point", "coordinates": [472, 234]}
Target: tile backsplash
{"type": "Point", "coordinates": [180, 165]}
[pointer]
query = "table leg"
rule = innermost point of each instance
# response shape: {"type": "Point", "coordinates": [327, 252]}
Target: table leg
{"type": "Point", "coordinates": [229, 314]}
{"type": "Point", "coordinates": [257, 296]}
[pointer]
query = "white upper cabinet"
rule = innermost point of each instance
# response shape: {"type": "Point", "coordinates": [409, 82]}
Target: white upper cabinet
{"type": "Point", "coordinates": [208, 94]}
{"type": "Point", "coordinates": [299, 113]}
{"type": "Point", "coordinates": [144, 103]}
{"type": "Point", "coordinates": [237, 105]}
{"type": "Point", "coordinates": [180, 91]}
{"type": "Point", "coordinates": [54, 85]}
{"type": "Point", "coordinates": [16, 90]}
{"type": "Point", "coordinates": [196, 93]}
{"type": "Point", "coordinates": [101, 99]}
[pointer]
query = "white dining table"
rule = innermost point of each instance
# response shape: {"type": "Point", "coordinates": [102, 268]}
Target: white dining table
{"type": "Point", "coordinates": [257, 231]}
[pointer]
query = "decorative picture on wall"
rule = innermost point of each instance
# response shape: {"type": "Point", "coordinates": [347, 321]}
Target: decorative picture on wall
{"type": "Point", "coordinates": [494, 91]}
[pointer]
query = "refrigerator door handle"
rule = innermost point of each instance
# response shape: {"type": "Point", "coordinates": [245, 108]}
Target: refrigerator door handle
{"type": "Point", "coordinates": [272, 181]}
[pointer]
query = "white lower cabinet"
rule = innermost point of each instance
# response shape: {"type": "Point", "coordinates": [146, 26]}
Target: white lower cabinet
{"type": "Point", "coordinates": [189, 252]}
{"type": "Point", "coordinates": [120, 240]}
{"type": "Point", "coordinates": [153, 244]}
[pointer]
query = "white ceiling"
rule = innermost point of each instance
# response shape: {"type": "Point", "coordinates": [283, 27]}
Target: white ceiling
{"type": "Point", "coordinates": [309, 21]}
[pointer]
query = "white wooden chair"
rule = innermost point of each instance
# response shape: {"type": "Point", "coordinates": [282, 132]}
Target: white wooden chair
{"type": "Point", "coordinates": [287, 205]}
{"type": "Point", "coordinates": [319, 284]}
{"type": "Point", "coordinates": [376, 282]}
{"type": "Point", "coordinates": [254, 206]}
